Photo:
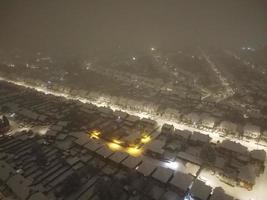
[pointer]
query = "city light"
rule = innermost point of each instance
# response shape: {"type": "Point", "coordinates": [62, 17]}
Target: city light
{"type": "Point", "coordinates": [134, 151]}
{"type": "Point", "coordinates": [116, 141]}
{"type": "Point", "coordinates": [95, 134]}
{"type": "Point", "coordinates": [114, 147]}
{"type": "Point", "coordinates": [145, 139]}
{"type": "Point", "coordinates": [174, 165]}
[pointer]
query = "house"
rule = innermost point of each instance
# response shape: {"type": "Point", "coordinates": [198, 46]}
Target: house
{"type": "Point", "coordinates": [162, 174]}
{"type": "Point", "coordinates": [246, 177]}
{"type": "Point", "coordinates": [104, 151]}
{"type": "Point", "coordinates": [167, 129]}
{"type": "Point", "coordinates": [148, 124]}
{"type": "Point", "coordinates": [171, 114]}
{"type": "Point", "coordinates": [170, 195]}
{"type": "Point", "coordinates": [199, 138]}
{"type": "Point", "coordinates": [258, 157]}
{"type": "Point", "coordinates": [82, 140]}
{"type": "Point", "coordinates": [118, 157]}
{"type": "Point", "coordinates": [155, 148]}
{"type": "Point", "coordinates": [120, 114]}
{"type": "Point", "coordinates": [228, 128]}
{"type": "Point", "coordinates": [131, 120]}
{"type": "Point", "coordinates": [264, 135]}
{"type": "Point", "coordinates": [228, 176]}
{"type": "Point", "coordinates": [219, 194]}
{"type": "Point", "coordinates": [200, 191]}
{"type": "Point", "coordinates": [232, 148]}
{"type": "Point", "coordinates": [93, 145]}
{"type": "Point", "coordinates": [192, 118]}
{"type": "Point", "coordinates": [251, 131]}
{"type": "Point", "coordinates": [146, 168]}
{"type": "Point", "coordinates": [188, 157]}
{"type": "Point", "coordinates": [182, 135]}
{"type": "Point", "coordinates": [132, 162]}
{"type": "Point", "coordinates": [207, 121]}
{"type": "Point", "coordinates": [181, 182]}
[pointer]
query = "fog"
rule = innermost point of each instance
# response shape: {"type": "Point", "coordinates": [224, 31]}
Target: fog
{"type": "Point", "coordinates": [84, 26]}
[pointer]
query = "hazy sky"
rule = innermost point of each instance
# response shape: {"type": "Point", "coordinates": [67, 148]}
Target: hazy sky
{"type": "Point", "coordinates": [83, 25]}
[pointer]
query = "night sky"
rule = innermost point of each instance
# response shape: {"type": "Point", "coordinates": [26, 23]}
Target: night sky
{"type": "Point", "coordinates": [91, 24]}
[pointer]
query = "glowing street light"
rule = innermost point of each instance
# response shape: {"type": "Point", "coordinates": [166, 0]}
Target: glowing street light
{"type": "Point", "coordinates": [116, 141]}
{"type": "Point", "coordinates": [95, 134]}
{"type": "Point", "coordinates": [145, 139]}
{"type": "Point", "coordinates": [134, 151]}
{"type": "Point", "coordinates": [174, 165]}
{"type": "Point", "coordinates": [114, 146]}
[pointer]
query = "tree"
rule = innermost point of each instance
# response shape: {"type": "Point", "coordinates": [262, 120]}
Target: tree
{"type": "Point", "coordinates": [5, 121]}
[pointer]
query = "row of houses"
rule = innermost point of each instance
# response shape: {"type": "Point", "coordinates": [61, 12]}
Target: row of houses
{"type": "Point", "coordinates": [243, 166]}
{"type": "Point", "coordinates": [208, 122]}
{"type": "Point", "coordinates": [183, 184]}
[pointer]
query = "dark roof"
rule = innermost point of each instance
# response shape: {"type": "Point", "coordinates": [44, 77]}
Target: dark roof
{"type": "Point", "coordinates": [258, 155]}
{"type": "Point", "coordinates": [162, 174]}
{"type": "Point", "coordinates": [199, 137]}
{"type": "Point", "coordinates": [131, 162]}
{"type": "Point", "coordinates": [146, 168]}
{"type": "Point", "coordinates": [170, 195]}
{"type": "Point", "coordinates": [233, 146]}
{"type": "Point", "coordinates": [181, 181]}
{"type": "Point", "coordinates": [104, 151]}
{"type": "Point", "coordinates": [219, 194]}
{"type": "Point", "coordinates": [118, 156]}
{"type": "Point", "coordinates": [247, 174]}
{"type": "Point", "coordinates": [82, 140]}
{"type": "Point", "coordinates": [93, 145]}
{"type": "Point", "coordinates": [185, 134]}
{"type": "Point", "coordinates": [200, 190]}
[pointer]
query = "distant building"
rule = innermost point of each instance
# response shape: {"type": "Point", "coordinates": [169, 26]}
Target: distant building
{"type": "Point", "coordinates": [251, 131]}
{"type": "Point", "coordinates": [228, 128]}
{"type": "Point", "coordinates": [264, 135]}
{"type": "Point", "coordinates": [167, 129]}
{"type": "Point", "coordinates": [192, 118]}
{"type": "Point", "coordinates": [207, 121]}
